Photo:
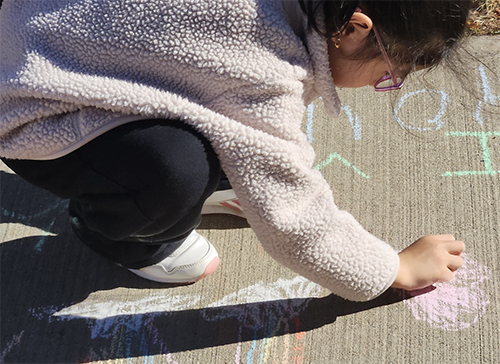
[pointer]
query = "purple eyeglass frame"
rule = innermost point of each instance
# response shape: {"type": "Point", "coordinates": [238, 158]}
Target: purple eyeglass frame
{"type": "Point", "coordinates": [396, 85]}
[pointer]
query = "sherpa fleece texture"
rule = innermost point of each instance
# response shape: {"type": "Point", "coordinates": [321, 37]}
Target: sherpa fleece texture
{"type": "Point", "coordinates": [234, 69]}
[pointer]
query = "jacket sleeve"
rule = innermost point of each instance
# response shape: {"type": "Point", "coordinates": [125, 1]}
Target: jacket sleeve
{"type": "Point", "coordinates": [290, 205]}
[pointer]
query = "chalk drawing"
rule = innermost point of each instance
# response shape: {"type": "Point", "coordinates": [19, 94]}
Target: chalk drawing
{"type": "Point", "coordinates": [128, 321]}
{"type": "Point", "coordinates": [127, 331]}
{"type": "Point", "coordinates": [435, 123]}
{"type": "Point", "coordinates": [26, 230]}
{"type": "Point", "coordinates": [336, 156]}
{"type": "Point", "coordinates": [43, 239]}
{"type": "Point", "coordinates": [454, 305]}
{"type": "Point", "coordinates": [266, 317]}
{"type": "Point", "coordinates": [237, 356]}
{"type": "Point", "coordinates": [488, 97]}
{"type": "Point", "coordinates": [354, 121]}
{"type": "Point", "coordinates": [8, 347]}
{"type": "Point", "coordinates": [310, 122]}
{"type": "Point", "coordinates": [351, 115]}
{"type": "Point", "coordinates": [298, 287]}
{"type": "Point", "coordinates": [16, 215]}
{"type": "Point", "coordinates": [486, 158]}
{"type": "Point", "coordinates": [111, 308]}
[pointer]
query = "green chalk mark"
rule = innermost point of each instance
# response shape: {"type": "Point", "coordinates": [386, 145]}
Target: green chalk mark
{"type": "Point", "coordinates": [483, 140]}
{"type": "Point", "coordinates": [469, 173]}
{"type": "Point", "coordinates": [336, 156]}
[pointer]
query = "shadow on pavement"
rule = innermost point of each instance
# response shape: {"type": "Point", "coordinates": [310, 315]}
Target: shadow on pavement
{"type": "Point", "coordinates": [42, 275]}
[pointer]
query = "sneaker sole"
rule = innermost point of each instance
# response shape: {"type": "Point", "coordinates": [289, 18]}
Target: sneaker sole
{"type": "Point", "coordinates": [222, 210]}
{"type": "Point", "coordinates": [210, 262]}
{"type": "Point", "coordinates": [211, 267]}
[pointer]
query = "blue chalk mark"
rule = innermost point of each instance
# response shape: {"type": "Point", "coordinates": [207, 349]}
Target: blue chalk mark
{"type": "Point", "coordinates": [483, 139]}
{"type": "Point", "coordinates": [336, 156]}
{"type": "Point", "coordinates": [310, 121]}
{"type": "Point", "coordinates": [354, 121]}
{"type": "Point", "coordinates": [488, 97]}
{"type": "Point", "coordinates": [436, 121]}
{"type": "Point", "coordinates": [262, 350]}
{"type": "Point", "coordinates": [39, 245]}
{"type": "Point", "coordinates": [254, 344]}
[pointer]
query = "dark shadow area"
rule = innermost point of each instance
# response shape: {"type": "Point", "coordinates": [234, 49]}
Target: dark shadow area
{"type": "Point", "coordinates": [42, 275]}
{"type": "Point", "coordinates": [221, 222]}
{"type": "Point", "coordinates": [23, 203]}
{"type": "Point", "coordinates": [37, 284]}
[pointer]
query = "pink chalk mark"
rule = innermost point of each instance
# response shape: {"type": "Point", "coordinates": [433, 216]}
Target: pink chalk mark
{"type": "Point", "coordinates": [454, 305]}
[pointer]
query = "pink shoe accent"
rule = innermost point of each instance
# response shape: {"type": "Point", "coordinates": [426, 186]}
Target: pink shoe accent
{"type": "Point", "coordinates": [211, 267]}
{"type": "Point", "coordinates": [223, 202]}
{"type": "Point", "coordinates": [236, 208]}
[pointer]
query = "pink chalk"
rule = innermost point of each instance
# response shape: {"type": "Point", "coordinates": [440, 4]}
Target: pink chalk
{"type": "Point", "coordinates": [454, 305]}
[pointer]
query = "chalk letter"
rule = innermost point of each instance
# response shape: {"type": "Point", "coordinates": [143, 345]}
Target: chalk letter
{"type": "Point", "coordinates": [488, 97]}
{"type": "Point", "coordinates": [483, 139]}
{"type": "Point", "coordinates": [436, 122]}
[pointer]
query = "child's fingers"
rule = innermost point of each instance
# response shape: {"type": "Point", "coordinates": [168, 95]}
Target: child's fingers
{"type": "Point", "coordinates": [456, 247]}
{"type": "Point", "coordinates": [455, 262]}
{"type": "Point", "coordinates": [447, 276]}
{"type": "Point", "coordinates": [444, 237]}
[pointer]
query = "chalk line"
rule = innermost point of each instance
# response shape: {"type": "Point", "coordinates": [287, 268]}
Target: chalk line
{"type": "Point", "coordinates": [310, 122]}
{"type": "Point", "coordinates": [437, 121]}
{"type": "Point", "coordinates": [336, 156]}
{"type": "Point", "coordinates": [486, 158]}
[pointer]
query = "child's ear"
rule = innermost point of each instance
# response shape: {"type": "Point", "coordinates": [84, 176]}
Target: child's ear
{"type": "Point", "coordinates": [354, 34]}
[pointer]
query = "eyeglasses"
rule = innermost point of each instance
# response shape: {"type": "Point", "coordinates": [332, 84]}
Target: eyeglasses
{"type": "Point", "coordinates": [391, 81]}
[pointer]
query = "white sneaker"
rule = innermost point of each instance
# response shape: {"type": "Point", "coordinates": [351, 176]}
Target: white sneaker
{"type": "Point", "coordinates": [195, 259]}
{"type": "Point", "coordinates": [223, 202]}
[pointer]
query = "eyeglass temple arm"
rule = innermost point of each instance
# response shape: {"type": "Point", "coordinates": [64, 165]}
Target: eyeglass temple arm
{"type": "Point", "coordinates": [384, 53]}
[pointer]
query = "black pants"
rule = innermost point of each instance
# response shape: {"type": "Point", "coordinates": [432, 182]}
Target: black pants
{"type": "Point", "coordinates": [136, 192]}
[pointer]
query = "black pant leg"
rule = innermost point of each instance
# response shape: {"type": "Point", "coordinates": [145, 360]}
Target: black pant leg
{"type": "Point", "coordinates": [136, 191]}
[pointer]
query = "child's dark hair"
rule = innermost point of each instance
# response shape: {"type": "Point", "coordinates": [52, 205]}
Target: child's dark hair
{"type": "Point", "coordinates": [419, 32]}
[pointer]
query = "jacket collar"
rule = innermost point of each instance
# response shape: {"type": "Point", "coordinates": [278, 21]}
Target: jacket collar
{"type": "Point", "coordinates": [323, 80]}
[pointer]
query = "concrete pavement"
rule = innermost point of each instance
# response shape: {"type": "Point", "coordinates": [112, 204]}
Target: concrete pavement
{"type": "Point", "coordinates": [420, 161]}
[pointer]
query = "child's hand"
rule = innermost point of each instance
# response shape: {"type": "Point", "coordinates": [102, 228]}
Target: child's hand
{"type": "Point", "coordinates": [430, 259]}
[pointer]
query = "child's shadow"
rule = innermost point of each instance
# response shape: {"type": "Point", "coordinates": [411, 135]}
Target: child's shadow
{"type": "Point", "coordinates": [44, 274]}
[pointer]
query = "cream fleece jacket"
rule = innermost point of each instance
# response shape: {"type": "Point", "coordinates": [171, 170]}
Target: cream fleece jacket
{"type": "Point", "coordinates": [71, 70]}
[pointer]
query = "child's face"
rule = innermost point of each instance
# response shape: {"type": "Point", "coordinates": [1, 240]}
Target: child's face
{"type": "Point", "coordinates": [355, 73]}
{"type": "Point", "coordinates": [342, 48]}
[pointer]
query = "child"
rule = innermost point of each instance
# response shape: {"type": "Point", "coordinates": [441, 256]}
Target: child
{"type": "Point", "coordinates": [132, 109]}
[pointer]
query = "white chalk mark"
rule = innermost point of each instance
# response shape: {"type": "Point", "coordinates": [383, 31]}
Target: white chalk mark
{"type": "Point", "coordinates": [110, 308]}
{"type": "Point", "coordinates": [272, 302]}
{"type": "Point", "coordinates": [8, 347]}
{"type": "Point", "coordinates": [298, 287]}
{"type": "Point", "coordinates": [287, 297]}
